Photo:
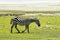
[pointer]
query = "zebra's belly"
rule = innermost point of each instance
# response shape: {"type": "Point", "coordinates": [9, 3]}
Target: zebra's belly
{"type": "Point", "coordinates": [21, 23]}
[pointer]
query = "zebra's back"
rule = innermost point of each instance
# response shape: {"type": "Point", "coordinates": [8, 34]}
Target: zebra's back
{"type": "Point", "coordinates": [21, 21]}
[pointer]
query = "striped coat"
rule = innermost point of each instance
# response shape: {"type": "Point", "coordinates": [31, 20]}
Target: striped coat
{"type": "Point", "coordinates": [21, 21]}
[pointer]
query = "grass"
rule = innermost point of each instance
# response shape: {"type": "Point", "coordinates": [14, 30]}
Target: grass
{"type": "Point", "coordinates": [50, 32]}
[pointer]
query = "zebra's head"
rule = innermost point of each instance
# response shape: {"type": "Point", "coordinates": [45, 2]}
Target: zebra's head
{"type": "Point", "coordinates": [37, 22]}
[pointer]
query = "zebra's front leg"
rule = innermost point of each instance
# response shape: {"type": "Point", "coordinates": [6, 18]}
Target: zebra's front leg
{"type": "Point", "coordinates": [12, 28]}
{"type": "Point", "coordinates": [17, 28]}
{"type": "Point", "coordinates": [26, 28]}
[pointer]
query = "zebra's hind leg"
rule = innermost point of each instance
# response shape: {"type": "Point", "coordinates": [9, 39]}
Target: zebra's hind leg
{"type": "Point", "coordinates": [12, 28]}
{"type": "Point", "coordinates": [28, 29]}
{"type": "Point", "coordinates": [17, 28]}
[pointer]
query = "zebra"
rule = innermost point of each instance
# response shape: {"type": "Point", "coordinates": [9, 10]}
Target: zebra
{"type": "Point", "coordinates": [23, 21]}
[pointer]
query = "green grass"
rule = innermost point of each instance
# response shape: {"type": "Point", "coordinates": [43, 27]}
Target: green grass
{"type": "Point", "coordinates": [52, 32]}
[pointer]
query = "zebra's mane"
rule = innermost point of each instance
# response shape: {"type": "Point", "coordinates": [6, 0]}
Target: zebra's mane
{"type": "Point", "coordinates": [24, 17]}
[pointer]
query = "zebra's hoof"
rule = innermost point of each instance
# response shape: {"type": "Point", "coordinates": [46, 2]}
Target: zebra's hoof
{"type": "Point", "coordinates": [18, 32]}
{"type": "Point", "coordinates": [22, 31]}
{"type": "Point", "coordinates": [28, 32]}
{"type": "Point", "coordinates": [10, 32]}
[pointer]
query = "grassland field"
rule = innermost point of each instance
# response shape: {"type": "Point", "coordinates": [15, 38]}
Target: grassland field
{"type": "Point", "coordinates": [49, 29]}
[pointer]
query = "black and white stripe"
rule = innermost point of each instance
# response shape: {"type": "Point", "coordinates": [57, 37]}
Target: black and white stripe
{"type": "Point", "coordinates": [23, 21]}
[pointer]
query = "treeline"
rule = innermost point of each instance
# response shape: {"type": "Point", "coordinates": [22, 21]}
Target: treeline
{"type": "Point", "coordinates": [24, 11]}
{"type": "Point", "coordinates": [11, 14]}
